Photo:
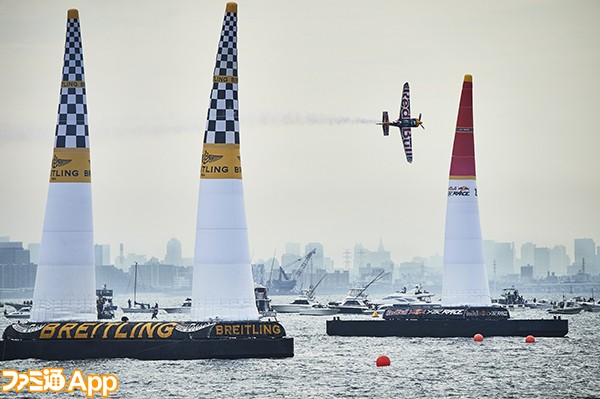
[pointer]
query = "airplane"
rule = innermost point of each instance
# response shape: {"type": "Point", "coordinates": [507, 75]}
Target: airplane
{"type": "Point", "coordinates": [405, 123]}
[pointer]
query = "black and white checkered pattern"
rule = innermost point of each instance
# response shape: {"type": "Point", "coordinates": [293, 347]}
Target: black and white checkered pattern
{"type": "Point", "coordinates": [222, 125]}
{"type": "Point", "coordinates": [72, 124]}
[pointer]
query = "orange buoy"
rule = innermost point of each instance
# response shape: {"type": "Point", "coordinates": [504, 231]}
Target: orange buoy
{"type": "Point", "coordinates": [383, 361]}
{"type": "Point", "coordinates": [478, 338]}
{"type": "Point", "coordinates": [530, 339]}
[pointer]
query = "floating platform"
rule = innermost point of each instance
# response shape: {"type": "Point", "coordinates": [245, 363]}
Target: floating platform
{"type": "Point", "coordinates": [443, 322]}
{"type": "Point", "coordinates": [145, 340]}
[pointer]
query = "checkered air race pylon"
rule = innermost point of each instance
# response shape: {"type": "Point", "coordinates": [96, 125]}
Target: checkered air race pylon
{"type": "Point", "coordinates": [223, 287]}
{"type": "Point", "coordinates": [465, 279]}
{"type": "Point", "coordinates": [65, 282]}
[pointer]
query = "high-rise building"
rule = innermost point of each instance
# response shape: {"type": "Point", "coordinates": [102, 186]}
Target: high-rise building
{"type": "Point", "coordinates": [101, 254]}
{"type": "Point", "coordinates": [559, 260]}
{"type": "Point", "coordinates": [585, 248]}
{"type": "Point", "coordinates": [541, 261]}
{"type": "Point", "coordinates": [173, 256]}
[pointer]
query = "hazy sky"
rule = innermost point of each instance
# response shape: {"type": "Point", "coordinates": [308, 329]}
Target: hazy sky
{"type": "Point", "coordinates": [314, 77]}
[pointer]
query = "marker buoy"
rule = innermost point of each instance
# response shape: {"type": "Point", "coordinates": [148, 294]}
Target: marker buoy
{"type": "Point", "coordinates": [530, 339]}
{"type": "Point", "coordinates": [383, 361]}
{"type": "Point", "coordinates": [478, 338]}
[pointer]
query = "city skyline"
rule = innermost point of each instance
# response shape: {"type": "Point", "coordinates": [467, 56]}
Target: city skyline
{"type": "Point", "coordinates": [165, 258]}
{"type": "Point", "coordinates": [316, 167]}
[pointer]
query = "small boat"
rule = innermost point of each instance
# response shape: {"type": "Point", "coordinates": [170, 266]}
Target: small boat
{"type": "Point", "coordinates": [23, 313]}
{"type": "Point", "coordinates": [510, 298]}
{"type": "Point", "coordinates": [104, 304]}
{"type": "Point", "coordinates": [318, 310]}
{"type": "Point", "coordinates": [303, 301]}
{"type": "Point", "coordinates": [137, 306]}
{"type": "Point", "coordinates": [185, 307]}
{"type": "Point", "coordinates": [356, 301]}
{"type": "Point", "coordinates": [263, 302]}
{"type": "Point", "coordinates": [539, 304]}
{"type": "Point", "coordinates": [417, 293]}
{"type": "Point", "coordinates": [566, 307]}
{"type": "Point", "coordinates": [18, 306]}
{"type": "Point", "coordinates": [590, 306]}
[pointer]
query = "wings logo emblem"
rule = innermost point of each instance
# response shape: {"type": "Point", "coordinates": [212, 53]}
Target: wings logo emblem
{"type": "Point", "coordinates": [58, 162]}
{"type": "Point", "coordinates": [208, 158]}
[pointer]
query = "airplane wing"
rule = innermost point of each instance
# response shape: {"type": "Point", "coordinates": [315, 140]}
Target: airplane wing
{"type": "Point", "coordinates": [405, 114]}
{"type": "Point", "coordinates": [405, 104]}
{"type": "Point", "coordinates": [407, 141]}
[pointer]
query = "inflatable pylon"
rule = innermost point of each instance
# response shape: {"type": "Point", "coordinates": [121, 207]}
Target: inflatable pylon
{"type": "Point", "coordinates": [223, 288]}
{"type": "Point", "coordinates": [65, 283]}
{"type": "Point", "coordinates": [465, 279]}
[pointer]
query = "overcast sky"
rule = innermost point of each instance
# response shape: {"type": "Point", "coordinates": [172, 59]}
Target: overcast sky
{"type": "Point", "coordinates": [314, 77]}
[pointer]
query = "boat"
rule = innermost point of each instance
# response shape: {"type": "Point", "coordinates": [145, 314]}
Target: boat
{"type": "Point", "coordinates": [566, 307]}
{"type": "Point", "coordinates": [303, 301]}
{"type": "Point", "coordinates": [539, 304]}
{"type": "Point", "coordinates": [185, 307]}
{"type": "Point", "coordinates": [590, 306]}
{"type": "Point", "coordinates": [18, 306]}
{"type": "Point", "coordinates": [263, 302]}
{"type": "Point", "coordinates": [356, 301]}
{"type": "Point", "coordinates": [22, 313]}
{"type": "Point", "coordinates": [137, 307]}
{"type": "Point", "coordinates": [318, 309]}
{"type": "Point", "coordinates": [104, 304]}
{"type": "Point", "coordinates": [285, 284]}
{"type": "Point", "coordinates": [417, 293]}
{"type": "Point", "coordinates": [510, 298]}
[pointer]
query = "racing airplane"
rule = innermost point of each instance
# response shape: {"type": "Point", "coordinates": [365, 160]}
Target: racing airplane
{"type": "Point", "coordinates": [405, 123]}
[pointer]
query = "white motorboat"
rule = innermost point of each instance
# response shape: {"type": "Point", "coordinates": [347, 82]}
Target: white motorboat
{"type": "Point", "coordinates": [356, 301]}
{"type": "Point", "coordinates": [306, 299]}
{"type": "Point", "coordinates": [566, 307]}
{"type": "Point", "coordinates": [185, 307]}
{"type": "Point", "coordinates": [22, 313]}
{"type": "Point", "coordinates": [302, 301]}
{"type": "Point", "coordinates": [417, 293]}
{"type": "Point", "coordinates": [318, 310]}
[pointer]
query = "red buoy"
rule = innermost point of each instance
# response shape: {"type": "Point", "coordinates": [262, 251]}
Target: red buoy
{"type": "Point", "coordinates": [383, 361]}
{"type": "Point", "coordinates": [478, 338]}
{"type": "Point", "coordinates": [530, 339]}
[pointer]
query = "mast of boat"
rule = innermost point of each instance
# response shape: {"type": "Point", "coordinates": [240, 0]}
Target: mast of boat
{"type": "Point", "coordinates": [135, 283]}
{"type": "Point", "coordinates": [311, 291]}
{"type": "Point", "coordinates": [271, 272]}
{"type": "Point", "coordinates": [381, 274]}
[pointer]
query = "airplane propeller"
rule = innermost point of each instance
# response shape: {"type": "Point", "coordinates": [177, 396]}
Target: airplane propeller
{"type": "Point", "coordinates": [419, 122]}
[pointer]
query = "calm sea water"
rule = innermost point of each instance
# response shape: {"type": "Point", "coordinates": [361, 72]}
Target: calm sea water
{"type": "Point", "coordinates": [344, 367]}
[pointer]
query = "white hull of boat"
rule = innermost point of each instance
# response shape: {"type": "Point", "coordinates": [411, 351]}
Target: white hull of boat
{"type": "Point", "coordinates": [289, 308]}
{"type": "Point", "coordinates": [318, 311]}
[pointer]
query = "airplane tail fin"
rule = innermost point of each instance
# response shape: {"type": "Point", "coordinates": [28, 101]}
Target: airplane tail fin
{"type": "Point", "coordinates": [385, 123]}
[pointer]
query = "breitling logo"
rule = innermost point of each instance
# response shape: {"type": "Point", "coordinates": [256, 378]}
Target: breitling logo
{"type": "Point", "coordinates": [208, 157]}
{"type": "Point", "coordinates": [58, 162]}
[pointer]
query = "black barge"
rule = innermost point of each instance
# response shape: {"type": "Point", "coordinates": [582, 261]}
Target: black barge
{"type": "Point", "coordinates": [444, 322]}
{"type": "Point", "coordinates": [145, 340]}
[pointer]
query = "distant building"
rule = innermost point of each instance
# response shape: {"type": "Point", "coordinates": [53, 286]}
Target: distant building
{"type": "Point", "coordinates": [526, 274]}
{"type": "Point", "coordinates": [559, 260]}
{"type": "Point", "coordinates": [173, 256]}
{"type": "Point", "coordinates": [500, 254]}
{"type": "Point", "coordinates": [541, 261]}
{"type": "Point", "coordinates": [527, 253]}
{"type": "Point", "coordinates": [102, 254]}
{"type": "Point", "coordinates": [16, 269]}
{"type": "Point", "coordinates": [34, 252]}
{"type": "Point", "coordinates": [585, 248]}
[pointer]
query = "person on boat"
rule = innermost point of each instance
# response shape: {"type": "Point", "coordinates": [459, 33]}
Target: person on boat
{"type": "Point", "coordinates": [155, 311]}
{"type": "Point", "coordinates": [129, 303]}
